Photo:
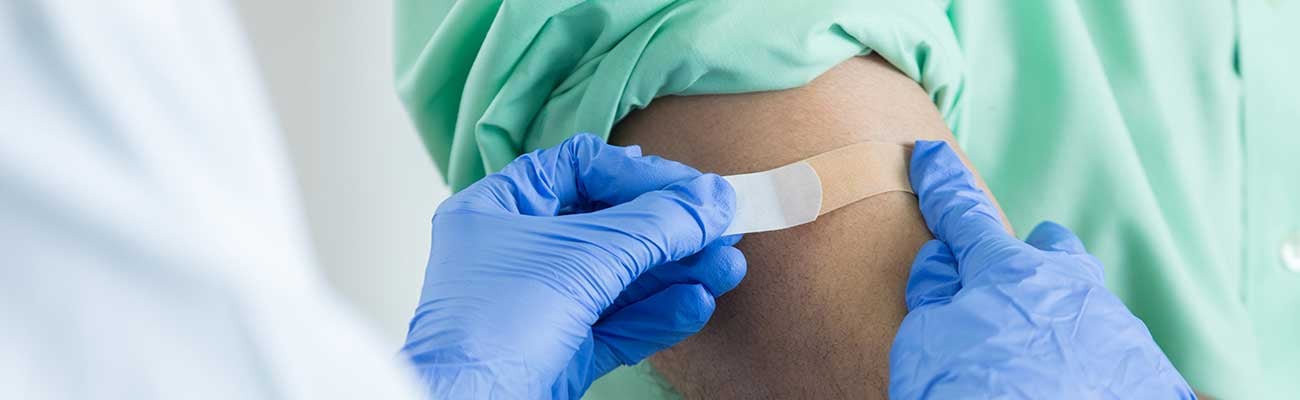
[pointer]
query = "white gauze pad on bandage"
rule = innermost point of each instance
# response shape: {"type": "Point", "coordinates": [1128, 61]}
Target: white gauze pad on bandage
{"type": "Point", "coordinates": [799, 192]}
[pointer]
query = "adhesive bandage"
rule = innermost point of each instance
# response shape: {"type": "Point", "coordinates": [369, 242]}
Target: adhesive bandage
{"type": "Point", "coordinates": [799, 192]}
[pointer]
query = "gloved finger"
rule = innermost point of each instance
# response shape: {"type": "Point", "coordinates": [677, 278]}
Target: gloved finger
{"type": "Point", "coordinates": [659, 226]}
{"type": "Point", "coordinates": [934, 277]}
{"type": "Point", "coordinates": [730, 240]}
{"type": "Point", "coordinates": [955, 209]}
{"type": "Point", "coordinates": [650, 325]}
{"type": "Point", "coordinates": [719, 268]}
{"type": "Point", "coordinates": [580, 174]}
{"type": "Point", "coordinates": [1050, 236]}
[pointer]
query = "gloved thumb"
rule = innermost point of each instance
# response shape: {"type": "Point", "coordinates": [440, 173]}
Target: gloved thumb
{"type": "Point", "coordinates": [662, 225]}
{"type": "Point", "coordinates": [1050, 236]}
{"type": "Point", "coordinates": [934, 277]}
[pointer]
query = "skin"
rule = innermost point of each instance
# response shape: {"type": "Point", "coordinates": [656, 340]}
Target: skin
{"type": "Point", "coordinates": [817, 312]}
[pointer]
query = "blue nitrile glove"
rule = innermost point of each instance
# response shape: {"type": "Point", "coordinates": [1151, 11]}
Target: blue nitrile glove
{"type": "Point", "coordinates": [571, 261]}
{"type": "Point", "coordinates": [991, 316]}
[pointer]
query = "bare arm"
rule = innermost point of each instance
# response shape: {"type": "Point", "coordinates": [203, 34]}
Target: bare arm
{"type": "Point", "coordinates": [817, 313]}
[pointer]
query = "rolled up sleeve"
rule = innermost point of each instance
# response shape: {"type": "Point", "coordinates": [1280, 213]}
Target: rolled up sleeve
{"type": "Point", "coordinates": [486, 81]}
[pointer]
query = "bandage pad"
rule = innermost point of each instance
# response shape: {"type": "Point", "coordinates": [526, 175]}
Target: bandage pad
{"type": "Point", "coordinates": [797, 193]}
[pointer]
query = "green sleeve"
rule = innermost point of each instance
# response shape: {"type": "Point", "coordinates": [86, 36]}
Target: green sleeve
{"type": "Point", "coordinates": [485, 81]}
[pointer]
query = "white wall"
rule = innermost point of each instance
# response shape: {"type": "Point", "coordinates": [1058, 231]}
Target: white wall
{"type": "Point", "coordinates": [368, 188]}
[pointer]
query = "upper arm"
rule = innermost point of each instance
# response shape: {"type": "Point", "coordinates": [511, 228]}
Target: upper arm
{"type": "Point", "coordinates": [817, 313]}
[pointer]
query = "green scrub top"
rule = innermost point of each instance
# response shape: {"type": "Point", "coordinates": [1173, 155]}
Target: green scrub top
{"type": "Point", "coordinates": [1162, 131]}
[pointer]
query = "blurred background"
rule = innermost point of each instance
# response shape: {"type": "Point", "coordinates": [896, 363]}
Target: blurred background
{"type": "Point", "coordinates": [368, 188]}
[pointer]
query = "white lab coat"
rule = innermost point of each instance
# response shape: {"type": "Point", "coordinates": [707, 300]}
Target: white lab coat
{"type": "Point", "coordinates": [150, 242]}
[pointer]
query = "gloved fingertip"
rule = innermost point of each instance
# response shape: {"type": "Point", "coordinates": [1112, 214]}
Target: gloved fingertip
{"type": "Point", "coordinates": [711, 200]}
{"type": "Point", "coordinates": [955, 209]}
{"type": "Point", "coordinates": [934, 277]}
{"type": "Point", "coordinates": [657, 322]}
{"type": "Point", "coordinates": [728, 267]}
{"type": "Point", "coordinates": [633, 150]}
{"type": "Point", "coordinates": [597, 142]}
{"type": "Point", "coordinates": [1051, 236]}
{"type": "Point", "coordinates": [927, 154]}
{"type": "Point", "coordinates": [922, 145]}
{"type": "Point", "coordinates": [941, 181]}
{"type": "Point", "coordinates": [719, 268]}
{"type": "Point", "coordinates": [694, 308]}
{"type": "Point", "coordinates": [586, 139]}
{"type": "Point", "coordinates": [726, 196]}
{"type": "Point", "coordinates": [730, 240]}
{"type": "Point", "coordinates": [583, 146]}
{"type": "Point", "coordinates": [724, 193]}
{"type": "Point", "coordinates": [1096, 271]}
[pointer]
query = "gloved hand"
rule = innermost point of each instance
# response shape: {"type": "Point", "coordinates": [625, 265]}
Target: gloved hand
{"type": "Point", "coordinates": [571, 261]}
{"type": "Point", "coordinates": [994, 317]}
